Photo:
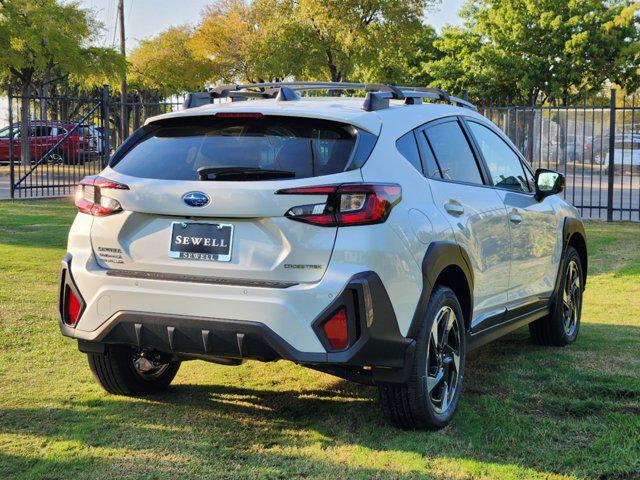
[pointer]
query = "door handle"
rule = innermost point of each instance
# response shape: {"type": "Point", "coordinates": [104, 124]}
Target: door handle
{"type": "Point", "coordinates": [515, 218]}
{"type": "Point", "coordinates": [454, 208]}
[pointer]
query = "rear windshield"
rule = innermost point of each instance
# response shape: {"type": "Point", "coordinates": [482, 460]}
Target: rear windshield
{"type": "Point", "coordinates": [175, 149]}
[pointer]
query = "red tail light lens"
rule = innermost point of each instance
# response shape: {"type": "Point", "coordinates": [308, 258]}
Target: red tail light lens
{"type": "Point", "coordinates": [336, 330]}
{"type": "Point", "coordinates": [346, 204]}
{"type": "Point", "coordinates": [89, 198]}
{"type": "Point", "coordinates": [72, 309]}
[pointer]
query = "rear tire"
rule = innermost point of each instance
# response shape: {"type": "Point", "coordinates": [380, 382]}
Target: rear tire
{"type": "Point", "coordinates": [562, 325]}
{"type": "Point", "coordinates": [430, 397]}
{"type": "Point", "coordinates": [117, 373]}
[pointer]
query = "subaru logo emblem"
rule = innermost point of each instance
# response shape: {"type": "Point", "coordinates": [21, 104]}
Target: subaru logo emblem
{"type": "Point", "coordinates": [196, 199]}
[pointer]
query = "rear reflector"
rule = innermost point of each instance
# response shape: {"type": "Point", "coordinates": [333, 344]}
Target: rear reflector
{"type": "Point", "coordinates": [72, 309]}
{"type": "Point", "coordinates": [336, 330]}
{"type": "Point", "coordinates": [347, 204]}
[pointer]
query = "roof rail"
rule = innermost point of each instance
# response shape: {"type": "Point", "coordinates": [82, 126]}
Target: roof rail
{"type": "Point", "coordinates": [377, 97]}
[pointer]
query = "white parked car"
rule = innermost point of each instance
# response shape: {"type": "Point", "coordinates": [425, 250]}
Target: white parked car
{"type": "Point", "coordinates": [378, 241]}
{"type": "Point", "coordinates": [626, 150]}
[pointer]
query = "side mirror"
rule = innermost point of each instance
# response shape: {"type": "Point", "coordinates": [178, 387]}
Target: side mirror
{"type": "Point", "coordinates": [548, 182]}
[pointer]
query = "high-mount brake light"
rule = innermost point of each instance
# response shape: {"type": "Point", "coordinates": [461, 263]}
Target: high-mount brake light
{"type": "Point", "coordinates": [348, 204]}
{"type": "Point", "coordinates": [90, 200]}
{"type": "Point", "coordinates": [239, 115]}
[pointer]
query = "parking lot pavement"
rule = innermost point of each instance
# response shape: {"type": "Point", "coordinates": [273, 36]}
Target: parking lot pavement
{"type": "Point", "coordinates": [5, 191]}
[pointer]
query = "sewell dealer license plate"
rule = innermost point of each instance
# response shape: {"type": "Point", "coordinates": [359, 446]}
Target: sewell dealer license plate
{"type": "Point", "coordinates": [201, 241]}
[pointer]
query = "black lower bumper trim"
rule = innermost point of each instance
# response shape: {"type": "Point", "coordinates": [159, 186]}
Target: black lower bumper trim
{"type": "Point", "coordinates": [378, 351]}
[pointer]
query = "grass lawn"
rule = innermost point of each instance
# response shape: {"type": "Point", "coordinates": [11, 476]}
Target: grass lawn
{"type": "Point", "coordinates": [526, 411]}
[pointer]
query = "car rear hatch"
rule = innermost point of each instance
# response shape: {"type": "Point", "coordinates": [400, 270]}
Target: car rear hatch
{"type": "Point", "coordinates": [198, 198]}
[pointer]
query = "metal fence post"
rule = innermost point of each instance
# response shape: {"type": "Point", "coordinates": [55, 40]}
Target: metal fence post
{"type": "Point", "coordinates": [106, 141]}
{"type": "Point", "coordinates": [11, 166]}
{"type": "Point", "coordinates": [612, 142]}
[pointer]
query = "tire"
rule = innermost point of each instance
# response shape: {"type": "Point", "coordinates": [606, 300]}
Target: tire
{"type": "Point", "coordinates": [116, 372]}
{"type": "Point", "coordinates": [411, 405]}
{"type": "Point", "coordinates": [562, 325]}
{"type": "Point", "coordinates": [57, 158]}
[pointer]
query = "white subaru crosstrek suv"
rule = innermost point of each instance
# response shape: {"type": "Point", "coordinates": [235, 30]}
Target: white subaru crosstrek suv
{"type": "Point", "coordinates": [376, 239]}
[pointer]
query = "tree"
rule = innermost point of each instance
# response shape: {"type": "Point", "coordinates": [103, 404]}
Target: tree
{"type": "Point", "coordinates": [43, 41]}
{"type": "Point", "coordinates": [310, 39]}
{"type": "Point", "coordinates": [166, 64]}
{"type": "Point", "coordinates": [365, 39]}
{"type": "Point", "coordinates": [539, 49]}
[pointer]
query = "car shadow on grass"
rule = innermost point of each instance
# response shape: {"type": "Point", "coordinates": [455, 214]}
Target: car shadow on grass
{"type": "Point", "coordinates": [526, 410]}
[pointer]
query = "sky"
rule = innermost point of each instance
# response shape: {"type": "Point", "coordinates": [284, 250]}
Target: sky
{"type": "Point", "coordinates": [145, 18]}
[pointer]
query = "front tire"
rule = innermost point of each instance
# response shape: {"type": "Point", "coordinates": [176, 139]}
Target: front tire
{"type": "Point", "coordinates": [562, 325]}
{"type": "Point", "coordinates": [430, 397]}
{"type": "Point", "coordinates": [124, 370]}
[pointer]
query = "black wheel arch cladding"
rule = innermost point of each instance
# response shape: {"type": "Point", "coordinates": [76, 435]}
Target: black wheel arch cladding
{"type": "Point", "coordinates": [439, 257]}
{"type": "Point", "coordinates": [573, 234]}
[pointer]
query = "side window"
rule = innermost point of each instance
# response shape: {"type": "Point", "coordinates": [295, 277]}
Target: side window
{"type": "Point", "coordinates": [41, 131]}
{"type": "Point", "coordinates": [530, 180]}
{"type": "Point", "coordinates": [407, 146]}
{"type": "Point", "coordinates": [504, 165]}
{"type": "Point", "coordinates": [453, 153]}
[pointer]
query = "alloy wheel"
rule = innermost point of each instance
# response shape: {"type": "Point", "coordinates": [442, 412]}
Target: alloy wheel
{"type": "Point", "coordinates": [571, 298]}
{"type": "Point", "coordinates": [443, 359]}
{"type": "Point", "coordinates": [55, 159]}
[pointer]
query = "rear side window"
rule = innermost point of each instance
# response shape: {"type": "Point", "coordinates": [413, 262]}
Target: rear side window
{"type": "Point", "coordinates": [408, 147]}
{"type": "Point", "coordinates": [453, 153]}
{"type": "Point", "coordinates": [175, 149]}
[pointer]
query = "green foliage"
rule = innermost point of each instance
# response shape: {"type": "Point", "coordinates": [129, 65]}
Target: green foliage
{"type": "Point", "coordinates": [40, 39]}
{"type": "Point", "coordinates": [524, 49]}
{"type": "Point", "coordinates": [166, 64]}
{"type": "Point", "coordinates": [311, 39]}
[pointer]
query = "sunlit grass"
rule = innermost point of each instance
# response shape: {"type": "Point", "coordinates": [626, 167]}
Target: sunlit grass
{"type": "Point", "coordinates": [526, 412]}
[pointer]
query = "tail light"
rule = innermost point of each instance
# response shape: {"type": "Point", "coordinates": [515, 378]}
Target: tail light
{"type": "Point", "coordinates": [336, 330]}
{"type": "Point", "coordinates": [90, 199]}
{"type": "Point", "coordinates": [347, 204]}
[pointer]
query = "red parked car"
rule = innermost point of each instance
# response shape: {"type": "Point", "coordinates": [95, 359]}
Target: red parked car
{"type": "Point", "coordinates": [43, 135]}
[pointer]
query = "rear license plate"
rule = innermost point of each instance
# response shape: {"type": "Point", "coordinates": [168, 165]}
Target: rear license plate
{"type": "Point", "coordinates": [201, 241]}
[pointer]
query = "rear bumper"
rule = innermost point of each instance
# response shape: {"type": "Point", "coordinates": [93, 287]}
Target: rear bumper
{"type": "Point", "coordinates": [377, 352]}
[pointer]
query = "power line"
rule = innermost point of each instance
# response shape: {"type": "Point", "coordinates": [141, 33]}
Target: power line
{"type": "Point", "coordinates": [129, 14]}
{"type": "Point", "coordinates": [115, 26]}
{"type": "Point", "coordinates": [108, 22]}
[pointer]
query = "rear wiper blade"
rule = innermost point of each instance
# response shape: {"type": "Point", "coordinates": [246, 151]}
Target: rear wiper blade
{"type": "Point", "coordinates": [242, 173]}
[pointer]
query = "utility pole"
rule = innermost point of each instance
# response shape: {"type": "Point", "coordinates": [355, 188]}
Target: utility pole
{"type": "Point", "coordinates": [124, 117]}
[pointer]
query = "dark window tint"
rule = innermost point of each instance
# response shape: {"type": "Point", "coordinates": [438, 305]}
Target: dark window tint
{"type": "Point", "coordinates": [407, 146]}
{"type": "Point", "coordinates": [453, 153]}
{"type": "Point", "coordinates": [504, 165]}
{"type": "Point", "coordinates": [41, 131]}
{"type": "Point", "coordinates": [428, 160]}
{"type": "Point", "coordinates": [176, 149]}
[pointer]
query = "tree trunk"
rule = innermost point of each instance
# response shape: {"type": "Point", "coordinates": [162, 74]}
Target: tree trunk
{"type": "Point", "coordinates": [25, 151]}
{"type": "Point", "coordinates": [336, 75]}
